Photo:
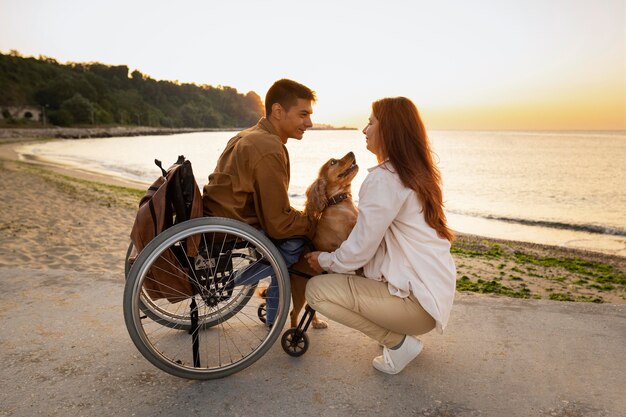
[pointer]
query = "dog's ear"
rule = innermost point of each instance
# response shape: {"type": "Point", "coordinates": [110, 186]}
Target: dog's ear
{"type": "Point", "coordinates": [316, 198]}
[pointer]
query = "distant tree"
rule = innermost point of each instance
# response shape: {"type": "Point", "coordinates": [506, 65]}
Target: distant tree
{"type": "Point", "coordinates": [136, 76]}
{"type": "Point", "coordinates": [61, 118]}
{"type": "Point", "coordinates": [254, 102]}
{"type": "Point", "coordinates": [55, 93]}
{"type": "Point", "coordinates": [79, 107]}
{"type": "Point", "coordinates": [101, 116]}
{"type": "Point", "coordinates": [48, 59]}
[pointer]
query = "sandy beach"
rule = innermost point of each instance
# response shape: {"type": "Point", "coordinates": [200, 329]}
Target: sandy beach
{"type": "Point", "coordinates": [62, 244]}
{"type": "Point", "coordinates": [53, 217]}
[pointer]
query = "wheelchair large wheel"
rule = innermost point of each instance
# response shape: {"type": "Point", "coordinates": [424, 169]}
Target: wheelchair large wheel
{"type": "Point", "coordinates": [127, 260]}
{"type": "Point", "coordinates": [228, 335]}
{"type": "Point", "coordinates": [177, 316]}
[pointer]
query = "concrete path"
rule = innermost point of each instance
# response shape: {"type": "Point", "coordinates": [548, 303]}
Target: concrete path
{"type": "Point", "coordinates": [65, 351]}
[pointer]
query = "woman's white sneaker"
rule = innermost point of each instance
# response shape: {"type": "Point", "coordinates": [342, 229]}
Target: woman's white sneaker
{"type": "Point", "coordinates": [394, 361]}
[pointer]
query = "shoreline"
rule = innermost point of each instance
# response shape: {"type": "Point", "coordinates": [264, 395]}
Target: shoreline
{"type": "Point", "coordinates": [96, 132]}
{"type": "Point", "coordinates": [490, 266]}
{"type": "Point", "coordinates": [21, 133]}
{"type": "Point", "coordinates": [8, 153]}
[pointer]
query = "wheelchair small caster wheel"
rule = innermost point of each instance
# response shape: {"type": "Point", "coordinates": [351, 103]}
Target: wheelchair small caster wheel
{"type": "Point", "coordinates": [295, 342]}
{"type": "Point", "coordinates": [262, 312]}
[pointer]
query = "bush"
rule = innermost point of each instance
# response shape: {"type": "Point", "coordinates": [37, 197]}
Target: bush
{"type": "Point", "coordinates": [61, 118]}
{"type": "Point", "coordinates": [79, 107]}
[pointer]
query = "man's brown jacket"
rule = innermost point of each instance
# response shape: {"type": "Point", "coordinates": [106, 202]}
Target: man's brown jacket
{"type": "Point", "coordinates": [250, 184]}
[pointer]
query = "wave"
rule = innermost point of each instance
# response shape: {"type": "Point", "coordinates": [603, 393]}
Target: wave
{"type": "Point", "coordinates": [589, 228]}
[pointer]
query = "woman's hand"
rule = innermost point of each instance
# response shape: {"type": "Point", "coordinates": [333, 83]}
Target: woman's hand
{"type": "Point", "coordinates": [312, 259]}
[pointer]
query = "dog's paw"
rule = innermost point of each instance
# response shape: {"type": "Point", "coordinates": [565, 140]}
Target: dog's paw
{"type": "Point", "coordinates": [319, 324]}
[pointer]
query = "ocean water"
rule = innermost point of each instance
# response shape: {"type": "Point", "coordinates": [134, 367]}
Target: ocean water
{"type": "Point", "coordinates": [559, 188]}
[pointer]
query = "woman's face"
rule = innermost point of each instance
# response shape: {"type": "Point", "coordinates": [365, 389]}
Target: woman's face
{"type": "Point", "coordinates": [372, 136]}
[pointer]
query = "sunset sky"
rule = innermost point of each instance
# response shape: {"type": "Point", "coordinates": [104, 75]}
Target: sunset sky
{"type": "Point", "coordinates": [507, 64]}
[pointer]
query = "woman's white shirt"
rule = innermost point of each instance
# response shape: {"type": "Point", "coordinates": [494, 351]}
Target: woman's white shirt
{"type": "Point", "coordinates": [392, 242]}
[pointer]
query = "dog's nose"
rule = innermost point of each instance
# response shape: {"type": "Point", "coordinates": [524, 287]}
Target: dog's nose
{"type": "Point", "coordinates": [351, 155]}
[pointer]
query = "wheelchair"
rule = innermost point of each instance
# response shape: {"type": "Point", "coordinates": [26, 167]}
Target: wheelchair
{"type": "Point", "coordinates": [218, 328]}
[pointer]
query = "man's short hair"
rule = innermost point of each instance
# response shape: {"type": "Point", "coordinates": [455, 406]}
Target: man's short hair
{"type": "Point", "coordinates": [286, 93]}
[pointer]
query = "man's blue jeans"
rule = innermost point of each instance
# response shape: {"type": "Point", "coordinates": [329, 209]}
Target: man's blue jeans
{"type": "Point", "coordinates": [290, 249]}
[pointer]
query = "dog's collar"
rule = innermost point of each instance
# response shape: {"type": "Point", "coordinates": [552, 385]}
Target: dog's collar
{"type": "Point", "coordinates": [338, 198]}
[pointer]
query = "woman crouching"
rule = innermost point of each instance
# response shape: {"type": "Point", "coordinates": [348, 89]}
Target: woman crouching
{"type": "Point", "coordinates": [401, 240]}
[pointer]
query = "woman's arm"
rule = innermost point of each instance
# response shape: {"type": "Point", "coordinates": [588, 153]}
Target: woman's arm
{"type": "Point", "coordinates": [380, 199]}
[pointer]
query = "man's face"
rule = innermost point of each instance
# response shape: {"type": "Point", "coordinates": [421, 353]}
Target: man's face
{"type": "Point", "coordinates": [294, 122]}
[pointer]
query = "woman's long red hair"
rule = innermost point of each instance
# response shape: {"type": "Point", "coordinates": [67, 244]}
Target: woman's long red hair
{"type": "Point", "coordinates": [404, 142]}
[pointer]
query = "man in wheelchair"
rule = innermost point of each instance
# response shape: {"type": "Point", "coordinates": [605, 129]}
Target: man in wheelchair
{"type": "Point", "coordinates": [251, 180]}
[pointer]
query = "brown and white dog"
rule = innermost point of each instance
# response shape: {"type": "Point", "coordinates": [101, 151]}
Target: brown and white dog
{"type": "Point", "coordinates": [329, 200]}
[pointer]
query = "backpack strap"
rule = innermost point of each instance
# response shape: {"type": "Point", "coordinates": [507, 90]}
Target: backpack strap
{"type": "Point", "coordinates": [160, 165]}
{"type": "Point", "coordinates": [153, 213]}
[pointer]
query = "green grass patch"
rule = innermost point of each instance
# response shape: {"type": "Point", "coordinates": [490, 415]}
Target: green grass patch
{"type": "Point", "coordinates": [490, 287]}
{"type": "Point", "coordinates": [573, 265]}
{"type": "Point", "coordinates": [488, 250]}
{"type": "Point", "coordinates": [598, 271]}
{"type": "Point", "coordinates": [617, 279]}
{"type": "Point", "coordinates": [590, 299]}
{"type": "Point", "coordinates": [559, 296]}
{"type": "Point", "coordinates": [503, 264]}
{"type": "Point", "coordinates": [603, 287]}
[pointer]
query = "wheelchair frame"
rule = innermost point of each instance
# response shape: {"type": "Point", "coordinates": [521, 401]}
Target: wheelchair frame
{"type": "Point", "coordinates": [220, 328]}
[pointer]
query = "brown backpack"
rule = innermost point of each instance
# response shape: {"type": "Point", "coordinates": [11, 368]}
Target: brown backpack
{"type": "Point", "coordinates": [173, 198]}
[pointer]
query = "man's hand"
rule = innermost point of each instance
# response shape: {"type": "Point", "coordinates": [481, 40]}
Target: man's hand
{"type": "Point", "coordinates": [312, 259]}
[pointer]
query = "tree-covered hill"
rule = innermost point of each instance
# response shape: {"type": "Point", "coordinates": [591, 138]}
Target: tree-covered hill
{"type": "Point", "coordinates": [95, 93]}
